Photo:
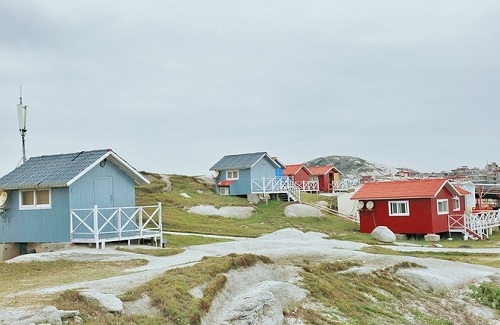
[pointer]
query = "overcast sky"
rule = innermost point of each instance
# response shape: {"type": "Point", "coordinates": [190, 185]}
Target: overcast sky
{"type": "Point", "coordinates": [172, 86]}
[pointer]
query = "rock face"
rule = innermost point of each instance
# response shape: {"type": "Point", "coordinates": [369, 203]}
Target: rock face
{"type": "Point", "coordinates": [302, 210]}
{"type": "Point", "coordinates": [383, 234]}
{"type": "Point", "coordinates": [109, 302]}
{"type": "Point", "coordinates": [257, 295]}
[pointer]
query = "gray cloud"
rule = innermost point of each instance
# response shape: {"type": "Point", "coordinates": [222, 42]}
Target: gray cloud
{"type": "Point", "coordinates": [173, 85]}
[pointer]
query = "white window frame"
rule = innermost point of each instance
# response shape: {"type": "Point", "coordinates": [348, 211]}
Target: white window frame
{"type": "Point", "coordinates": [456, 203]}
{"type": "Point", "coordinates": [35, 204]}
{"type": "Point", "coordinates": [447, 206]}
{"type": "Point", "coordinates": [232, 175]}
{"type": "Point", "coordinates": [405, 203]}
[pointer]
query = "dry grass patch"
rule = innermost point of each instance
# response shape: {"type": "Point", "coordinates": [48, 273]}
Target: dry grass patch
{"type": "Point", "coordinates": [170, 293]}
{"type": "Point", "coordinates": [38, 274]}
{"type": "Point", "coordinates": [487, 259]}
{"type": "Point", "coordinates": [337, 296]}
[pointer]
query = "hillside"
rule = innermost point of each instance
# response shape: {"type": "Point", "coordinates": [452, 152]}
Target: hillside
{"type": "Point", "coordinates": [351, 166]}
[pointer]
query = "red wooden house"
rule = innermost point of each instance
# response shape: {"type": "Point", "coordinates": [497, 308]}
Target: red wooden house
{"type": "Point", "coordinates": [420, 206]}
{"type": "Point", "coordinates": [326, 176]}
{"type": "Point", "coordinates": [299, 172]}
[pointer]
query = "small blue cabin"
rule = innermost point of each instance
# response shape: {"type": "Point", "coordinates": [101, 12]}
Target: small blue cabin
{"type": "Point", "coordinates": [60, 198]}
{"type": "Point", "coordinates": [234, 173]}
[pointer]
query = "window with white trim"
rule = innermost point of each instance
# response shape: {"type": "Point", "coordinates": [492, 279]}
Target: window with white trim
{"type": "Point", "coordinates": [399, 208]}
{"type": "Point", "coordinates": [456, 203]}
{"type": "Point", "coordinates": [223, 190]}
{"type": "Point", "coordinates": [35, 199]}
{"type": "Point", "coordinates": [232, 175]}
{"type": "Point", "coordinates": [442, 206]}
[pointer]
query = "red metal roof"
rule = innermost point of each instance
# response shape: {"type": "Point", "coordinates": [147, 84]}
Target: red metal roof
{"type": "Point", "coordinates": [294, 169]}
{"type": "Point", "coordinates": [323, 170]}
{"type": "Point", "coordinates": [225, 183]}
{"type": "Point", "coordinates": [418, 188]}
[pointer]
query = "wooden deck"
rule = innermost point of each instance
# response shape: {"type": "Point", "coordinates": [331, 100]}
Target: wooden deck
{"type": "Point", "coordinates": [476, 225]}
{"type": "Point", "coordinates": [283, 184]}
{"type": "Point", "coordinates": [102, 225]}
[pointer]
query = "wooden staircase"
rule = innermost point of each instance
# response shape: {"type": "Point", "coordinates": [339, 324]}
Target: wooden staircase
{"type": "Point", "coordinates": [474, 225]}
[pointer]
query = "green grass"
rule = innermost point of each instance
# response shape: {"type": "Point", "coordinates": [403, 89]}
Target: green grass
{"type": "Point", "coordinates": [266, 218]}
{"type": "Point", "coordinates": [488, 259]}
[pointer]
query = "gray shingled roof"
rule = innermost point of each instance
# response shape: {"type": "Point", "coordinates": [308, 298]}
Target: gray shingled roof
{"type": "Point", "coordinates": [240, 161]}
{"type": "Point", "coordinates": [50, 171]}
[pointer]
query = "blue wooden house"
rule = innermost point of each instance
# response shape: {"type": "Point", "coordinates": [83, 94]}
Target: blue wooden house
{"type": "Point", "coordinates": [238, 174]}
{"type": "Point", "coordinates": [87, 196]}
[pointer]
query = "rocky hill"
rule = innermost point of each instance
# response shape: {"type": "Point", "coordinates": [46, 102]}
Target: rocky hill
{"type": "Point", "coordinates": [353, 166]}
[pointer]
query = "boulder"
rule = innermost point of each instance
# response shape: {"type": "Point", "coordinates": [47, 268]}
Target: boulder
{"type": "Point", "coordinates": [432, 237]}
{"type": "Point", "coordinates": [253, 198]}
{"type": "Point", "coordinates": [107, 301]}
{"type": "Point", "coordinates": [383, 234]}
{"type": "Point", "coordinates": [302, 210]}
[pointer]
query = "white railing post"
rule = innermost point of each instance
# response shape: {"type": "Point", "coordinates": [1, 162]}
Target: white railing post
{"type": "Point", "coordinates": [160, 222]}
{"type": "Point", "coordinates": [140, 221]}
{"type": "Point", "coordinates": [71, 226]}
{"type": "Point", "coordinates": [119, 223]}
{"type": "Point", "coordinates": [96, 226]}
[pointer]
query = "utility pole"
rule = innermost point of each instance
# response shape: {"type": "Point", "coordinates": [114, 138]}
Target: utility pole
{"type": "Point", "coordinates": [21, 115]}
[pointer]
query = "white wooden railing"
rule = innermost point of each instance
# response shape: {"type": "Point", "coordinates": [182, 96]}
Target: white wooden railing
{"type": "Point", "coordinates": [477, 224]}
{"type": "Point", "coordinates": [308, 186]}
{"type": "Point", "coordinates": [271, 185]}
{"type": "Point", "coordinates": [101, 225]}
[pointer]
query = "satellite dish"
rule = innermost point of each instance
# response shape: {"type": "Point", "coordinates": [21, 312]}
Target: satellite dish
{"type": "Point", "coordinates": [370, 205]}
{"type": "Point", "coordinates": [361, 204]}
{"type": "Point", "coordinates": [3, 198]}
{"type": "Point", "coordinates": [216, 173]}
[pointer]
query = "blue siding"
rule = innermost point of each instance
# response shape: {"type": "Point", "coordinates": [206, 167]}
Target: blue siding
{"type": "Point", "coordinates": [82, 192]}
{"type": "Point", "coordinates": [263, 168]}
{"type": "Point", "coordinates": [53, 225]}
{"type": "Point", "coordinates": [37, 225]}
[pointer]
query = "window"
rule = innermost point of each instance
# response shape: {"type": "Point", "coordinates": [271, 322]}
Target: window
{"type": "Point", "coordinates": [399, 208]}
{"type": "Point", "coordinates": [456, 203]}
{"type": "Point", "coordinates": [232, 174]}
{"type": "Point", "coordinates": [223, 190]}
{"type": "Point", "coordinates": [442, 206]}
{"type": "Point", "coordinates": [34, 199]}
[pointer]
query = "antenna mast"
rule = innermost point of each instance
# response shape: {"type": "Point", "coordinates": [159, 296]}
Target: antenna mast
{"type": "Point", "coordinates": [21, 115]}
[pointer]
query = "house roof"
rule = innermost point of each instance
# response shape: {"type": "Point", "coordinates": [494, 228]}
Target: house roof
{"type": "Point", "coordinates": [294, 169]}
{"type": "Point", "coordinates": [407, 189]}
{"type": "Point", "coordinates": [323, 170]}
{"type": "Point", "coordinates": [242, 161]}
{"type": "Point", "coordinates": [63, 170]}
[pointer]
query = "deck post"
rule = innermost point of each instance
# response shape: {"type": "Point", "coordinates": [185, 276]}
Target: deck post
{"type": "Point", "coordinates": [140, 221]}
{"type": "Point", "coordinates": [160, 222]}
{"type": "Point", "coordinates": [119, 223]}
{"type": "Point", "coordinates": [96, 227]}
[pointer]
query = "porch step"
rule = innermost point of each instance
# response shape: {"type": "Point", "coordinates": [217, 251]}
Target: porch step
{"type": "Point", "coordinates": [284, 197]}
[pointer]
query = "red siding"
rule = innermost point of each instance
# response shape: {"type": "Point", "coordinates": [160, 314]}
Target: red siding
{"type": "Point", "coordinates": [302, 175]}
{"type": "Point", "coordinates": [423, 218]}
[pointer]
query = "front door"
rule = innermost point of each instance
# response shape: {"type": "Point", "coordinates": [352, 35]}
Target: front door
{"type": "Point", "coordinates": [103, 198]}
